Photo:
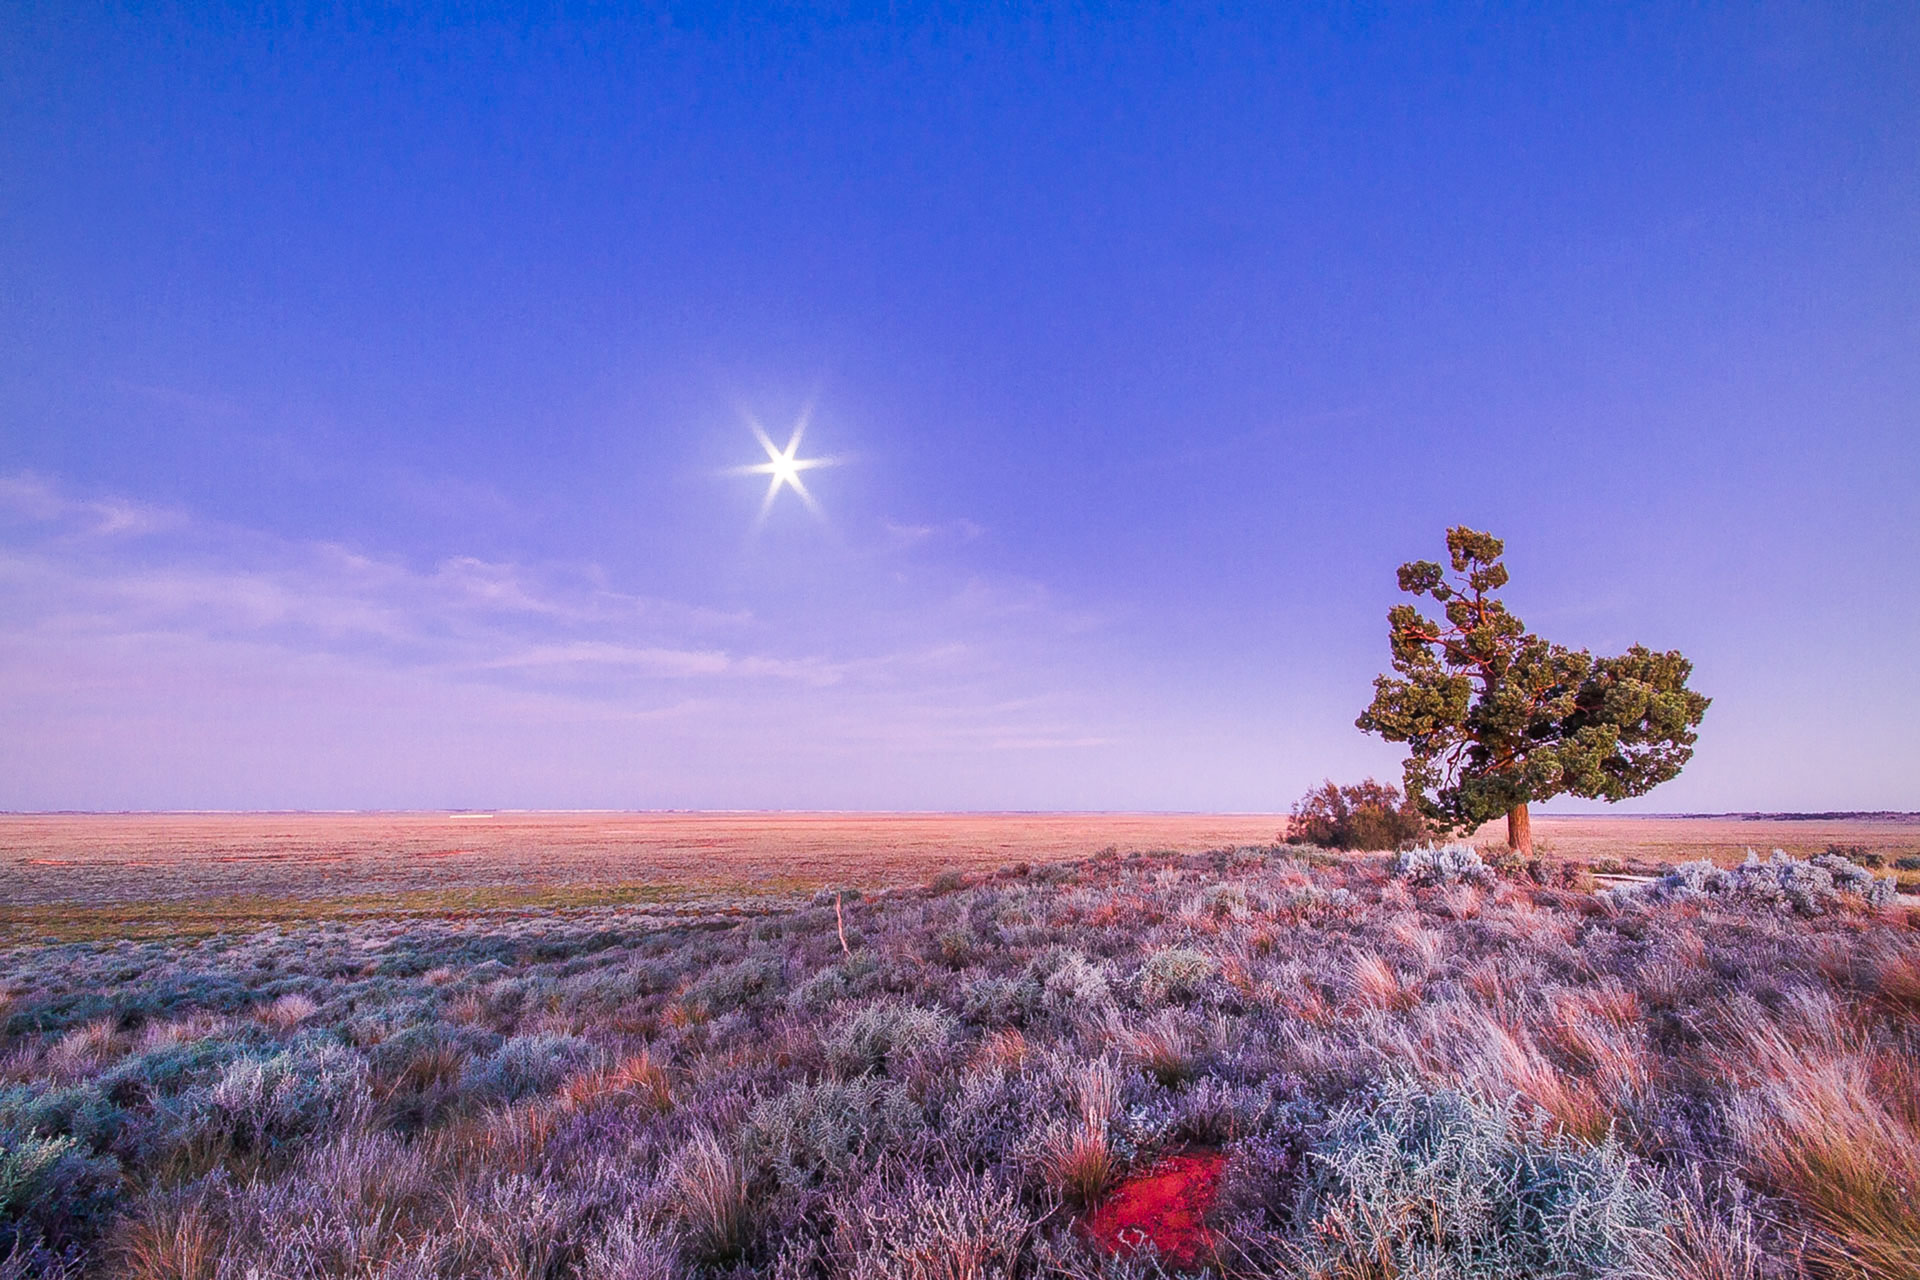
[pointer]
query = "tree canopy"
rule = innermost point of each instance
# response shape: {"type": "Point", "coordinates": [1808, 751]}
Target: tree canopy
{"type": "Point", "coordinates": [1497, 717]}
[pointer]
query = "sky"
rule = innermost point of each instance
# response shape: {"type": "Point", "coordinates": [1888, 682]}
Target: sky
{"type": "Point", "coordinates": [371, 385]}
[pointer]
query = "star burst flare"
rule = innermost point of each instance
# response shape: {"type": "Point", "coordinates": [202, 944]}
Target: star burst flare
{"type": "Point", "coordinates": [783, 467]}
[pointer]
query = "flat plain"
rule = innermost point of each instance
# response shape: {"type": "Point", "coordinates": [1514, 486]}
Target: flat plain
{"type": "Point", "coordinates": [647, 1047]}
{"type": "Point", "coordinates": [85, 876]}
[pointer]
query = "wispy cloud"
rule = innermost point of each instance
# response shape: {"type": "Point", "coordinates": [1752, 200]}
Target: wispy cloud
{"type": "Point", "coordinates": [131, 614]}
{"type": "Point", "coordinates": [29, 499]}
{"type": "Point", "coordinates": [910, 534]}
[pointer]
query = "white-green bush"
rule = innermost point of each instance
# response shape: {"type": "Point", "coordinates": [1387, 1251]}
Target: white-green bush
{"type": "Point", "coordinates": [1443, 1185]}
{"type": "Point", "coordinates": [258, 1103]}
{"type": "Point", "coordinates": [1444, 864]}
{"type": "Point", "coordinates": [816, 1132]}
{"type": "Point", "coordinates": [526, 1065]}
{"type": "Point", "coordinates": [877, 1036]}
{"type": "Point", "coordinates": [969, 1229]}
{"type": "Point", "coordinates": [1781, 883]}
{"type": "Point", "coordinates": [1174, 975]}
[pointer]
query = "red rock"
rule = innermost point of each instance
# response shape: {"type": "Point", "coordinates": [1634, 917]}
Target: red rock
{"type": "Point", "coordinates": [1166, 1207]}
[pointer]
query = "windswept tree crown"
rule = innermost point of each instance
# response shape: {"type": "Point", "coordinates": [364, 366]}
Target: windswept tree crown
{"type": "Point", "coordinates": [1496, 717]}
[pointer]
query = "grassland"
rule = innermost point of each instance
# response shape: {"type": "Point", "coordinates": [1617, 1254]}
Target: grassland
{"type": "Point", "coordinates": [83, 877]}
{"type": "Point", "coordinates": [1400, 1069]}
{"type": "Point", "coordinates": [103, 858]}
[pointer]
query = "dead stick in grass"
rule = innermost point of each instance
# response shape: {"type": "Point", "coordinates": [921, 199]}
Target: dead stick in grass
{"type": "Point", "coordinates": [840, 923]}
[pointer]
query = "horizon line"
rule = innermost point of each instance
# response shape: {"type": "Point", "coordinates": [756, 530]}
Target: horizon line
{"type": "Point", "coordinates": [1749, 814]}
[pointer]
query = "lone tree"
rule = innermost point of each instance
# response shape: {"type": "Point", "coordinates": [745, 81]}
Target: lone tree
{"type": "Point", "coordinates": [1497, 717]}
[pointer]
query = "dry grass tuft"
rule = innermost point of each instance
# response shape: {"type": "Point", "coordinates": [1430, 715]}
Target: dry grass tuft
{"type": "Point", "coordinates": [1373, 984]}
{"type": "Point", "coordinates": [1078, 1158]}
{"type": "Point", "coordinates": [1160, 1047]}
{"type": "Point", "coordinates": [288, 1011]}
{"type": "Point", "coordinates": [1815, 1131]}
{"type": "Point", "coordinates": [84, 1048]}
{"type": "Point", "coordinates": [1571, 1101]}
{"type": "Point", "coordinates": [1896, 980]}
{"type": "Point", "coordinates": [636, 1079]}
{"type": "Point", "coordinates": [167, 1241]}
{"type": "Point", "coordinates": [1707, 1246]}
{"type": "Point", "coordinates": [1005, 1050]}
{"type": "Point", "coordinates": [711, 1199]}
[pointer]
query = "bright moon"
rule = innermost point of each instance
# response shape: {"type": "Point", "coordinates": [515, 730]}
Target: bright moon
{"type": "Point", "coordinates": [783, 467]}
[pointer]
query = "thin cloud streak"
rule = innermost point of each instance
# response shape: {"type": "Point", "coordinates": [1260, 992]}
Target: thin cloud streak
{"type": "Point", "coordinates": [264, 664]}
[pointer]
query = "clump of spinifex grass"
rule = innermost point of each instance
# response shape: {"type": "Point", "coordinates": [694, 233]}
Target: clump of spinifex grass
{"type": "Point", "coordinates": [1411, 1068]}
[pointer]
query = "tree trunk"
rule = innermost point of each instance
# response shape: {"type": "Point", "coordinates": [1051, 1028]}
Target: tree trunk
{"type": "Point", "coordinates": [1520, 830]}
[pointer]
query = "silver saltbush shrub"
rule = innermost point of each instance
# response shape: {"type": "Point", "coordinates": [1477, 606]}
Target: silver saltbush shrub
{"type": "Point", "coordinates": [825, 1131]}
{"type": "Point", "coordinates": [1781, 883]}
{"type": "Point", "coordinates": [258, 1103]}
{"type": "Point", "coordinates": [1443, 1185]}
{"type": "Point", "coordinates": [971, 1227]}
{"type": "Point", "coordinates": [1442, 865]}
{"type": "Point", "coordinates": [1064, 982]}
{"type": "Point", "coordinates": [1174, 975]}
{"type": "Point", "coordinates": [874, 1037]}
{"type": "Point", "coordinates": [527, 1064]}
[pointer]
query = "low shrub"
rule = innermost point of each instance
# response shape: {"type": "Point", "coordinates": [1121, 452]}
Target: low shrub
{"type": "Point", "coordinates": [259, 1104]}
{"type": "Point", "coordinates": [526, 1065]}
{"type": "Point", "coordinates": [877, 1036]}
{"type": "Point", "coordinates": [970, 1228]}
{"type": "Point", "coordinates": [948, 1099]}
{"type": "Point", "coordinates": [1063, 982]}
{"type": "Point", "coordinates": [1781, 883]}
{"type": "Point", "coordinates": [986, 1000]}
{"type": "Point", "coordinates": [1453, 1186]}
{"type": "Point", "coordinates": [824, 1132]}
{"type": "Point", "coordinates": [1368, 815]}
{"type": "Point", "coordinates": [1311, 904]}
{"type": "Point", "coordinates": [1174, 975]}
{"type": "Point", "coordinates": [53, 1194]}
{"type": "Point", "coordinates": [1456, 863]}
{"type": "Point", "coordinates": [824, 988]}
{"type": "Point", "coordinates": [1858, 854]}
{"type": "Point", "coordinates": [744, 984]}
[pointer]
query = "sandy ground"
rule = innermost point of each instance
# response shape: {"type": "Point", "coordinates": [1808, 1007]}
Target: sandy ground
{"type": "Point", "coordinates": [183, 857]}
{"type": "Point", "coordinates": [115, 857]}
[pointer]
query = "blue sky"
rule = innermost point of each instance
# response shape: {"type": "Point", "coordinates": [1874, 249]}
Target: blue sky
{"type": "Point", "coordinates": [368, 386]}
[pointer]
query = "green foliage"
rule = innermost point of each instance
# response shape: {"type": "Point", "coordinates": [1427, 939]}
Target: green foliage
{"type": "Point", "coordinates": [52, 1191]}
{"type": "Point", "coordinates": [1368, 815]}
{"type": "Point", "coordinates": [1497, 717]}
{"type": "Point", "coordinates": [1063, 982]}
{"type": "Point", "coordinates": [744, 984]}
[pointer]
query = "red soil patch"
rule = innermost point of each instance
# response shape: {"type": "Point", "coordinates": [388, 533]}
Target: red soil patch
{"type": "Point", "coordinates": [1166, 1207]}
